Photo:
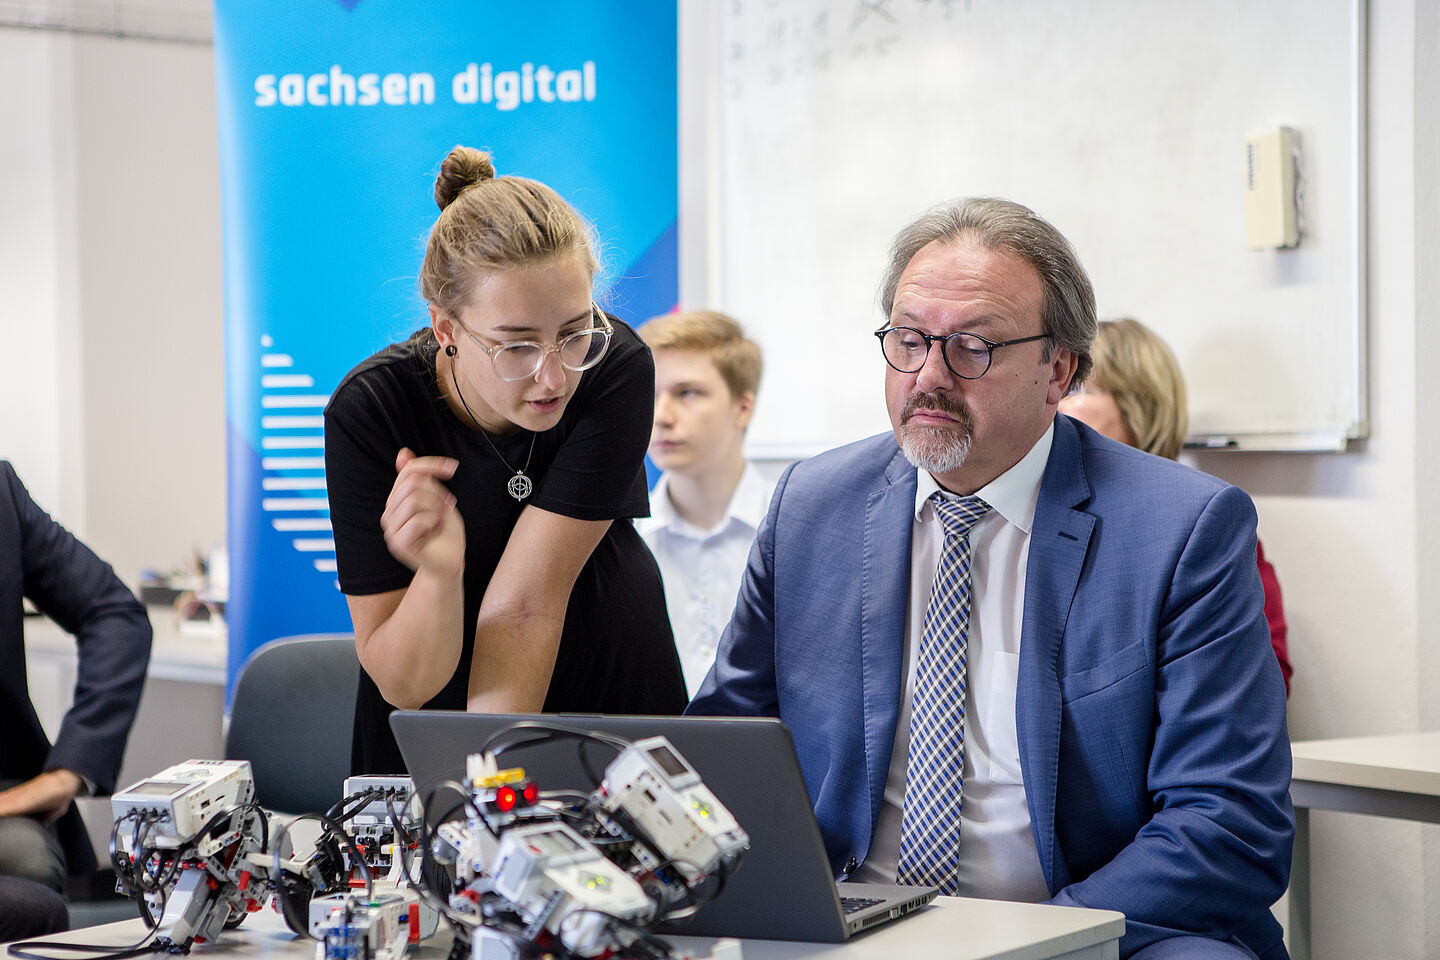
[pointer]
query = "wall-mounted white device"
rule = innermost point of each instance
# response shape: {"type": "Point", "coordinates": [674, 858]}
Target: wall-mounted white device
{"type": "Point", "coordinates": [1272, 198]}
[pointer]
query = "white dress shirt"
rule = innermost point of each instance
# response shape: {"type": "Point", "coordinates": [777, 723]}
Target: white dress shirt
{"type": "Point", "coordinates": [998, 859]}
{"type": "Point", "coordinates": [702, 568]}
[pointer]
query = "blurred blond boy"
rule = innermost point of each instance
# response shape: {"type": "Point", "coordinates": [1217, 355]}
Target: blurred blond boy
{"type": "Point", "coordinates": [709, 501]}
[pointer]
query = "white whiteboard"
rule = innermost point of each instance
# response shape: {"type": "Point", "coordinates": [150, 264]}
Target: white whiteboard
{"type": "Point", "coordinates": [1123, 122]}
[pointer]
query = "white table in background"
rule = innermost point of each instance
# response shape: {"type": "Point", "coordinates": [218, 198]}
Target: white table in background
{"type": "Point", "coordinates": [1382, 776]}
{"type": "Point", "coordinates": [182, 710]}
{"type": "Point", "coordinates": [952, 928]}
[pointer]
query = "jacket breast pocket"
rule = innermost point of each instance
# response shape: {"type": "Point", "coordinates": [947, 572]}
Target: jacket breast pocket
{"type": "Point", "coordinates": [1120, 665]}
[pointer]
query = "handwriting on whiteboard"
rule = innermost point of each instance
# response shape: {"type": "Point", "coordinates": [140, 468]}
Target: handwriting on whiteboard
{"type": "Point", "coordinates": [768, 43]}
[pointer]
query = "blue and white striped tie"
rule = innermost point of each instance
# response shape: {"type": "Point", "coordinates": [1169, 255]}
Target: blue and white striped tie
{"type": "Point", "coordinates": [930, 822]}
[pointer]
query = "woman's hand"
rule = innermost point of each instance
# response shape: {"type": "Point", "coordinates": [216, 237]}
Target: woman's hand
{"type": "Point", "coordinates": [409, 640]}
{"type": "Point", "coordinates": [422, 525]}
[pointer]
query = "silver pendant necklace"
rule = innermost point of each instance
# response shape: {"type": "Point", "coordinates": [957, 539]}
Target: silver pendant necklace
{"type": "Point", "coordinates": [518, 486]}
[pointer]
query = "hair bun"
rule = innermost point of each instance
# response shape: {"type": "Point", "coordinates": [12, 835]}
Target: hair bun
{"type": "Point", "coordinates": [463, 168]}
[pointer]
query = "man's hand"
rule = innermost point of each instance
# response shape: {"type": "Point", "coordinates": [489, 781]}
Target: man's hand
{"type": "Point", "coordinates": [46, 797]}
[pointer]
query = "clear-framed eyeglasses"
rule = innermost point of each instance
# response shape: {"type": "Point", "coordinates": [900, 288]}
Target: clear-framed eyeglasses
{"type": "Point", "coordinates": [521, 359]}
{"type": "Point", "coordinates": [968, 356]}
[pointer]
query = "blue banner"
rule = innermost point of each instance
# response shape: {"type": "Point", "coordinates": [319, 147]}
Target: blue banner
{"type": "Point", "coordinates": [334, 116]}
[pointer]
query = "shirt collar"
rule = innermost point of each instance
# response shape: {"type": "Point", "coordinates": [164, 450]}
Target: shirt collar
{"type": "Point", "coordinates": [747, 505]}
{"type": "Point", "coordinates": [751, 498]}
{"type": "Point", "coordinates": [1014, 494]}
{"type": "Point", "coordinates": [662, 511]}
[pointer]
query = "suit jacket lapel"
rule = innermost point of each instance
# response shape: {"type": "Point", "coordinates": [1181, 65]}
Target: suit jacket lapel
{"type": "Point", "coordinates": [1059, 540]}
{"type": "Point", "coordinates": [884, 596]}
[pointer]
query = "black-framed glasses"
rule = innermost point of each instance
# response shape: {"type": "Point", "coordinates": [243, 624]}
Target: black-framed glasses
{"type": "Point", "coordinates": [521, 359]}
{"type": "Point", "coordinates": [967, 355]}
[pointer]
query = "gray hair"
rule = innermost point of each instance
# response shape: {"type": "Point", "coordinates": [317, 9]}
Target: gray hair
{"type": "Point", "coordinates": [1068, 312]}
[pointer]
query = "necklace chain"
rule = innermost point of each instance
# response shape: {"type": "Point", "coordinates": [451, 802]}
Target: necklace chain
{"type": "Point", "coordinates": [518, 486]}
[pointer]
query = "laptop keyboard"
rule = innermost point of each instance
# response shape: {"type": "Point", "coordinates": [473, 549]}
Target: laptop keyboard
{"type": "Point", "coordinates": [850, 904]}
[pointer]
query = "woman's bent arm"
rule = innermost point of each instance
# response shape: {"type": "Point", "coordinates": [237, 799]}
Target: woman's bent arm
{"type": "Point", "coordinates": [409, 640]}
{"type": "Point", "coordinates": [518, 632]}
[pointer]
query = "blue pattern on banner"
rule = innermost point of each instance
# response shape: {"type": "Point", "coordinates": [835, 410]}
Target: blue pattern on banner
{"type": "Point", "coordinates": [645, 298]}
{"type": "Point", "coordinates": [333, 121]}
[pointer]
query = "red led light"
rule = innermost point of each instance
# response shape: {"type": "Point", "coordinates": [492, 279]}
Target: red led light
{"type": "Point", "coordinates": [531, 793]}
{"type": "Point", "coordinates": [505, 799]}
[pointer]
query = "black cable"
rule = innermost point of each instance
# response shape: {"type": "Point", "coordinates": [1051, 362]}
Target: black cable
{"type": "Point", "coordinates": [292, 919]}
{"type": "Point", "coordinates": [153, 913]}
{"type": "Point", "coordinates": [524, 733]}
{"type": "Point", "coordinates": [397, 820]}
{"type": "Point", "coordinates": [264, 819]}
{"type": "Point", "coordinates": [117, 860]}
{"type": "Point", "coordinates": [146, 946]}
{"type": "Point", "coordinates": [210, 825]}
{"type": "Point", "coordinates": [335, 808]}
{"type": "Point", "coordinates": [150, 871]}
{"type": "Point", "coordinates": [349, 807]}
{"type": "Point", "coordinates": [360, 799]}
{"type": "Point", "coordinates": [402, 837]}
{"type": "Point", "coordinates": [134, 872]}
{"type": "Point", "coordinates": [426, 841]}
{"type": "Point", "coordinates": [426, 793]}
{"type": "Point", "coordinates": [140, 854]}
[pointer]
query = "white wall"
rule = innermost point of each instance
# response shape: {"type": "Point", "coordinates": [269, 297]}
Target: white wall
{"type": "Point", "coordinates": [149, 283]}
{"type": "Point", "coordinates": [111, 366]}
{"type": "Point", "coordinates": [1426, 204]}
{"type": "Point", "coordinates": [40, 429]}
{"type": "Point", "coordinates": [111, 395]}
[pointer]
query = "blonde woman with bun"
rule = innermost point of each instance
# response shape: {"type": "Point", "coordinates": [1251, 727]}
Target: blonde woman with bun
{"type": "Point", "coordinates": [1136, 394]}
{"type": "Point", "coordinates": [483, 474]}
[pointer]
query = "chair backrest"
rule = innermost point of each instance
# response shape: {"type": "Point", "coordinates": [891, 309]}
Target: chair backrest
{"type": "Point", "coordinates": [292, 717]}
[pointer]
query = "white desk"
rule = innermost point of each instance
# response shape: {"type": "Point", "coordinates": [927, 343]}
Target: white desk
{"type": "Point", "coordinates": [182, 708]}
{"type": "Point", "coordinates": [953, 928]}
{"type": "Point", "coordinates": [193, 653]}
{"type": "Point", "coordinates": [1384, 776]}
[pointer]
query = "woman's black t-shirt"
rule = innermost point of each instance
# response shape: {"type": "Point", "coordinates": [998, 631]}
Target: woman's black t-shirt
{"type": "Point", "coordinates": [617, 654]}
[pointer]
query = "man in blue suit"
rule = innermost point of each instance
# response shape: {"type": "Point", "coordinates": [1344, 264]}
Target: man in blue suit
{"type": "Point", "coordinates": [1072, 700]}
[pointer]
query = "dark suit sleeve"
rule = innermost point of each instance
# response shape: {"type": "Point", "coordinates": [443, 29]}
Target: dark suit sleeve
{"type": "Point", "coordinates": [1216, 850]}
{"type": "Point", "coordinates": [742, 681]}
{"type": "Point", "coordinates": [80, 592]}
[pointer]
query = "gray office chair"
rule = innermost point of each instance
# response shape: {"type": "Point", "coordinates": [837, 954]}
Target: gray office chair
{"type": "Point", "coordinates": [292, 717]}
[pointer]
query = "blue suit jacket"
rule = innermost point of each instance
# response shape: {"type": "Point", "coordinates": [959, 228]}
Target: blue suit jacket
{"type": "Point", "coordinates": [1150, 710]}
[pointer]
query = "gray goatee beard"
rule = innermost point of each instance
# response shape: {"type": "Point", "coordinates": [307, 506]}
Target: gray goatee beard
{"type": "Point", "coordinates": [933, 449]}
{"type": "Point", "coordinates": [937, 449]}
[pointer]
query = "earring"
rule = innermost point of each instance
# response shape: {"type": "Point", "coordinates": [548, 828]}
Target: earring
{"type": "Point", "coordinates": [450, 350]}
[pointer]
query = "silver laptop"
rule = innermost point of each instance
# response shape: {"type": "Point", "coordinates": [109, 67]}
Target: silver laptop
{"type": "Point", "coordinates": [783, 890]}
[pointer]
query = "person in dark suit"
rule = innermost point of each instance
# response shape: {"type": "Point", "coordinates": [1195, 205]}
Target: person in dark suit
{"type": "Point", "coordinates": [1020, 660]}
{"type": "Point", "coordinates": [41, 834]}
